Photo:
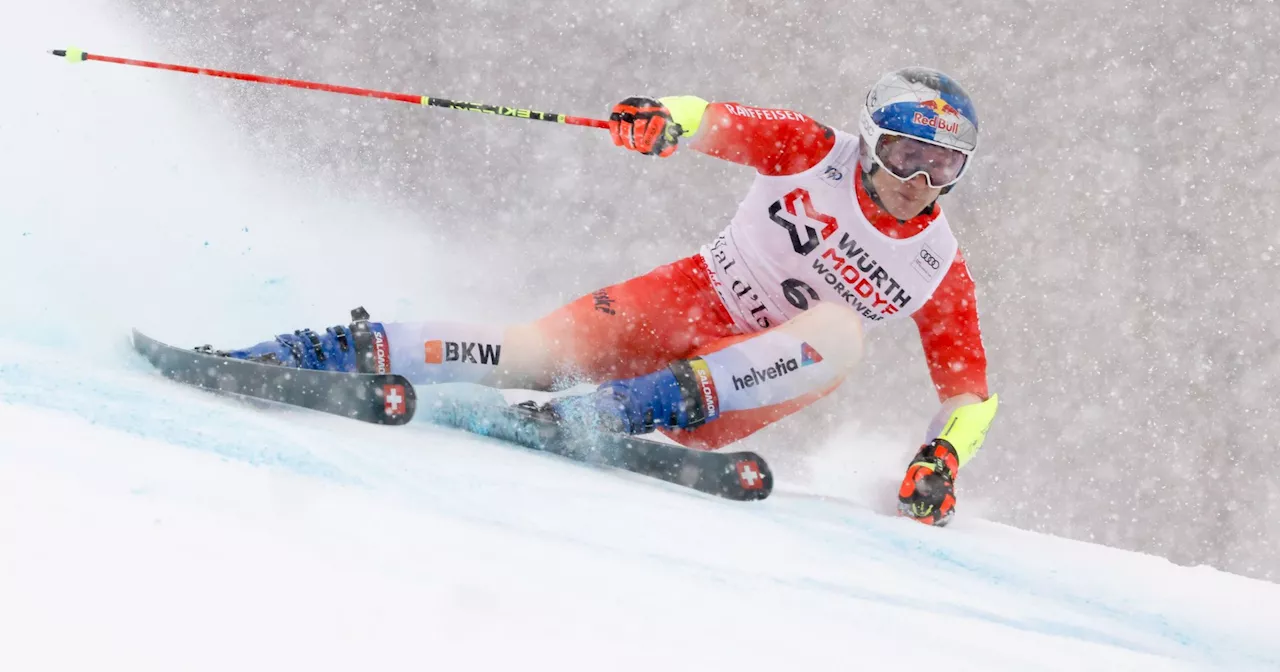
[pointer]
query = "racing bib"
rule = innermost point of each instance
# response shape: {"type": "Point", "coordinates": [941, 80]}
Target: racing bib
{"type": "Point", "coordinates": [797, 239]}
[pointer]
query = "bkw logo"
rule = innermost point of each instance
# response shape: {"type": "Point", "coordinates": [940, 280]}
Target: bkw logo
{"type": "Point", "coordinates": [439, 352]}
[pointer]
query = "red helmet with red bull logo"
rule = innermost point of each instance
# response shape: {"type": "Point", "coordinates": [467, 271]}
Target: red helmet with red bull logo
{"type": "Point", "coordinates": [918, 121]}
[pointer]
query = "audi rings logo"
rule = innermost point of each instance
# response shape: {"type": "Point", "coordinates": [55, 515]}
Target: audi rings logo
{"type": "Point", "coordinates": [931, 260]}
{"type": "Point", "coordinates": [927, 263]}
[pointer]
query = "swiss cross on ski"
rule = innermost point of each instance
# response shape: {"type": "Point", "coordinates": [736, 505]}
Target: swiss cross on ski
{"type": "Point", "coordinates": [749, 475]}
{"type": "Point", "coordinates": [393, 399]}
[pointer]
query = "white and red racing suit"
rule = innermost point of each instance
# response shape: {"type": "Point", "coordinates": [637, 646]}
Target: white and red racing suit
{"type": "Point", "coordinates": [807, 230]}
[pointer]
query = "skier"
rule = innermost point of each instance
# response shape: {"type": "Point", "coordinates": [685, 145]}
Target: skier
{"type": "Point", "coordinates": [838, 232]}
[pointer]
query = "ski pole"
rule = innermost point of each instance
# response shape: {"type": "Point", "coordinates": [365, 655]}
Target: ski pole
{"type": "Point", "coordinates": [75, 56]}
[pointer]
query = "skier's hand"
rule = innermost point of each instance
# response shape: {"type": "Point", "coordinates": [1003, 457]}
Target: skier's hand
{"type": "Point", "coordinates": [928, 492]}
{"type": "Point", "coordinates": [644, 125]}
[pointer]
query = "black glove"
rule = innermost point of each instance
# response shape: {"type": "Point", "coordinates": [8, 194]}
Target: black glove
{"type": "Point", "coordinates": [644, 125]}
{"type": "Point", "coordinates": [928, 492]}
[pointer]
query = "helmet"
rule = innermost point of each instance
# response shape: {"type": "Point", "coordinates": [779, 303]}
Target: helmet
{"type": "Point", "coordinates": [918, 121]}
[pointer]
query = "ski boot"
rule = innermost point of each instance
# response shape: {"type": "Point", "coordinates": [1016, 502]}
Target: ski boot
{"type": "Point", "coordinates": [677, 397]}
{"type": "Point", "coordinates": [358, 348]}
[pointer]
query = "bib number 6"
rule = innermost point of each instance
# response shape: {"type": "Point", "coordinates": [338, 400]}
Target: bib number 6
{"type": "Point", "coordinates": [798, 293]}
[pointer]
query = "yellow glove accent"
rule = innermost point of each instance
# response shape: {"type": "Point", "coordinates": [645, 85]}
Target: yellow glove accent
{"type": "Point", "coordinates": [967, 427]}
{"type": "Point", "coordinates": [686, 111]}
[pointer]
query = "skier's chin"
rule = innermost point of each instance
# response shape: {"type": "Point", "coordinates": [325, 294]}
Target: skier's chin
{"type": "Point", "coordinates": [905, 203]}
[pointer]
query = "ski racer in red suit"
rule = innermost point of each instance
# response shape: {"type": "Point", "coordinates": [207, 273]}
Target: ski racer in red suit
{"type": "Point", "coordinates": [837, 233]}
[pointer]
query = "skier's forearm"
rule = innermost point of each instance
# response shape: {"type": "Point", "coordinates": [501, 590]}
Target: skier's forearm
{"type": "Point", "coordinates": [963, 422]}
{"type": "Point", "coordinates": [773, 141]}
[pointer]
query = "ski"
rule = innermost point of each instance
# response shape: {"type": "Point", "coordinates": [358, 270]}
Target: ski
{"type": "Point", "coordinates": [376, 398]}
{"type": "Point", "coordinates": [392, 400]}
{"type": "Point", "coordinates": [740, 476]}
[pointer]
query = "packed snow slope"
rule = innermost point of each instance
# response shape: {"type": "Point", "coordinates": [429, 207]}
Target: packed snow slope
{"type": "Point", "coordinates": [146, 526]}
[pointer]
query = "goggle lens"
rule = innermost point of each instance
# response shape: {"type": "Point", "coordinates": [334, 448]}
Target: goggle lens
{"type": "Point", "coordinates": [906, 157]}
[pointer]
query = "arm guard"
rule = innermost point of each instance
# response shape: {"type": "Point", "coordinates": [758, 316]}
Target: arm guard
{"type": "Point", "coordinates": [965, 426]}
{"type": "Point", "coordinates": [686, 111]}
{"type": "Point", "coordinates": [773, 141]}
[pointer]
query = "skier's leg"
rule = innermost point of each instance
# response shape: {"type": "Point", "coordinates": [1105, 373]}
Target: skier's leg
{"type": "Point", "coordinates": [627, 329]}
{"type": "Point", "coordinates": [733, 386]}
{"type": "Point", "coordinates": [426, 352]}
{"type": "Point", "coordinates": [830, 340]}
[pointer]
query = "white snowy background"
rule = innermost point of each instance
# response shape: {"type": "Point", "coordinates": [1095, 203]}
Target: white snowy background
{"type": "Point", "coordinates": [1119, 228]}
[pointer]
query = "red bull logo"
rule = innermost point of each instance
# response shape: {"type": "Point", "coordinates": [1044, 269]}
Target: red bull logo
{"type": "Point", "coordinates": [940, 106]}
{"type": "Point", "coordinates": [940, 109]}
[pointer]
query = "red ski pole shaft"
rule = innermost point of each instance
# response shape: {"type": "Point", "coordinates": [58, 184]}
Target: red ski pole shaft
{"type": "Point", "coordinates": [76, 56]}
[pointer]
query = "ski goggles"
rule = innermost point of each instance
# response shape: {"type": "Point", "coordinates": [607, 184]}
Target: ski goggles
{"type": "Point", "coordinates": [905, 157]}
